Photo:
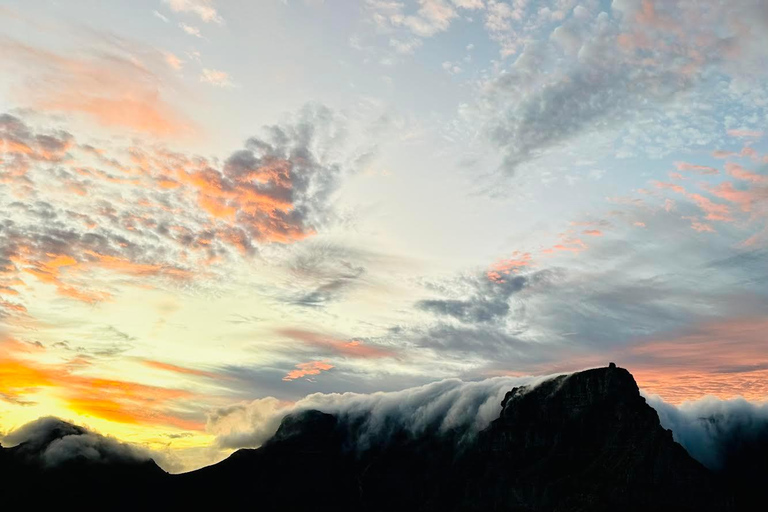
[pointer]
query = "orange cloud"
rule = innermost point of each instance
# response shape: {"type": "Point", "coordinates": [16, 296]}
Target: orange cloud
{"type": "Point", "coordinates": [113, 87]}
{"type": "Point", "coordinates": [724, 358]}
{"type": "Point", "coordinates": [178, 369]}
{"type": "Point", "coordinates": [310, 368]}
{"type": "Point", "coordinates": [574, 245]}
{"type": "Point", "coordinates": [48, 270]}
{"type": "Point", "coordinates": [114, 400]}
{"type": "Point", "coordinates": [19, 149]}
{"type": "Point", "coordinates": [504, 267]}
{"type": "Point", "coordinates": [125, 266]}
{"type": "Point", "coordinates": [257, 198]}
{"type": "Point", "coordinates": [150, 212]}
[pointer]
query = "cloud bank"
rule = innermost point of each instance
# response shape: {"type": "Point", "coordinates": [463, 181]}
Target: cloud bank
{"type": "Point", "coordinates": [721, 434]}
{"type": "Point", "coordinates": [52, 442]}
{"type": "Point", "coordinates": [444, 405]}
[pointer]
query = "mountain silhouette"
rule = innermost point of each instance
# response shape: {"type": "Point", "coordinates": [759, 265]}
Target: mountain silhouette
{"type": "Point", "coordinates": [581, 442]}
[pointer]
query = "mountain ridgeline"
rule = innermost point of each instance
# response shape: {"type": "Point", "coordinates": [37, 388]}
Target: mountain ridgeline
{"type": "Point", "coordinates": [581, 442]}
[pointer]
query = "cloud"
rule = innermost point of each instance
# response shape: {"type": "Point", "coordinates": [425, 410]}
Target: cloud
{"type": "Point", "coordinates": [504, 267]}
{"type": "Point", "coordinates": [116, 85]}
{"type": "Point", "coordinates": [489, 300]}
{"type": "Point", "coordinates": [140, 216]}
{"type": "Point", "coordinates": [327, 271]}
{"type": "Point", "coordinates": [449, 404]}
{"type": "Point", "coordinates": [741, 133]}
{"type": "Point", "coordinates": [698, 169]}
{"type": "Point", "coordinates": [190, 30]}
{"type": "Point", "coordinates": [110, 399]}
{"type": "Point", "coordinates": [740, 173]}
{"type": "Point", "coordinates": [204, 9]}
{"type": "Point", "coordinates": [407, 25]}
{"type": "Point", "coordinates": [333, 345]}
{"type": "Point", "coordinates": [648, 64]}
{"type": "Point", "coordinates": [173, 61]}
{"type": "Point", "coordinates": [724, 435]}
{"type": "Point", "coordinates": [182, 370]}
{"type": "Point", "coordinates": [21, 148]}
{"type": "Point", "coordinates": [432, 16]}
{"type": "Point", "coordinates": [247, 424]}
{"type": "Point", "coordinates": [52, 442]}
{"type": "Point", "coordinates": [216, 78]}
{"type": "Point", "coordinates": [611, 302]}
{"type": "Point", "coordinates": [305, 369]}
{"type": "Point", "coordinates": [723, 357]}
{"type": "Point", "coordinates": [713, 211]}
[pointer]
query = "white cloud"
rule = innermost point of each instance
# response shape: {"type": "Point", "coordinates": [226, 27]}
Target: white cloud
{"type": "Point", "coordinates": [202, 8]}
{"type": "Point", "coordinates": [173, 61]}
{"type": "Point", "coordinates": [189, 29]}
{"type": "Point", "coordinates": [447, 404]}
{"type": "Point", "coordinates": [160, 16]}
{"type": "Point", "coordinates": [216, 77]}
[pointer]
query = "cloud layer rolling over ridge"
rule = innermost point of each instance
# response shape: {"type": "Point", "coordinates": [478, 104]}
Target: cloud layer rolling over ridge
{"type": "Point", "coordinates": [710, 429]}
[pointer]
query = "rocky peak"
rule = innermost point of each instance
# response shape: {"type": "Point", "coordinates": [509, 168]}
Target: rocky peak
{"type": "Point", "coordinates": [588, 441]}
{"type": "Point", "coordinates": [609, 388]}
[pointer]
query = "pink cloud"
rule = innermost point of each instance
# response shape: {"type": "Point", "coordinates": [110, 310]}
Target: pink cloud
{"type": "Point", "coordinates": [723, 154]}
{"type": "Point", "coordinates": [306, 369]}
{"type": "Point", "coordinates": [348, 348]}
{"type": "Point", "coordinates": [723, 357]}
{"type": "Point", "coordinates": [745, 199]}
{"type": "Point", "coordinates": [698, 169]}
{"type": "Point", "coordinates": [741, 173]}
{"type": "Point", "coordinates": [701, 227]}
{"type": "Point", "coordinates": [504, 267]}
{"type": "Point", "coordinates": [574, 245]}
{"type": "Point", "coordinates": [713, 211]}
{"type": "Point", "coordinates": [745, 133]}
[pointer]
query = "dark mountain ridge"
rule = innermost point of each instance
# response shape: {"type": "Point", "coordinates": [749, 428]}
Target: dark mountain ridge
{"type": "Point", "coordinates": [581, 442]}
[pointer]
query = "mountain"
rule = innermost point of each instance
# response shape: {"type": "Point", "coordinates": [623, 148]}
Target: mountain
{"type": "Point", "coordinates": [65, 464]}
{"type": "Point", "coordinates": [581, 442]}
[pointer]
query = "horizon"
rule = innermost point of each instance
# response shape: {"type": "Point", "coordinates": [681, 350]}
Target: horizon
{"type": "Point", "coordinates": [211, 204]}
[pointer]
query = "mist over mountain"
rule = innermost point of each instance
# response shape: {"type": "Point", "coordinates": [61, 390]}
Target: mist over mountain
{"type": "Point", "coordinates": [585, 441]}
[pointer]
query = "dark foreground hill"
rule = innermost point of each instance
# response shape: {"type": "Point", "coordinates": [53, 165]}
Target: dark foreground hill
{"type": "Point", "coordinates": [581, 442]}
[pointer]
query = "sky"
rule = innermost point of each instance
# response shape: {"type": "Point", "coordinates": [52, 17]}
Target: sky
{"type": "Point", "coordinates": [212, 203]}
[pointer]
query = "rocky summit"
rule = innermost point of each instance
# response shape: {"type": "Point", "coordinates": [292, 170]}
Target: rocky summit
{"type": "Point", "coordinates": [581, 442]}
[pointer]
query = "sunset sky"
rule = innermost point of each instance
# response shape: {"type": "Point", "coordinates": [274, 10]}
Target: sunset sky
{"type": "Point", "coordinates": [209, 202]}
